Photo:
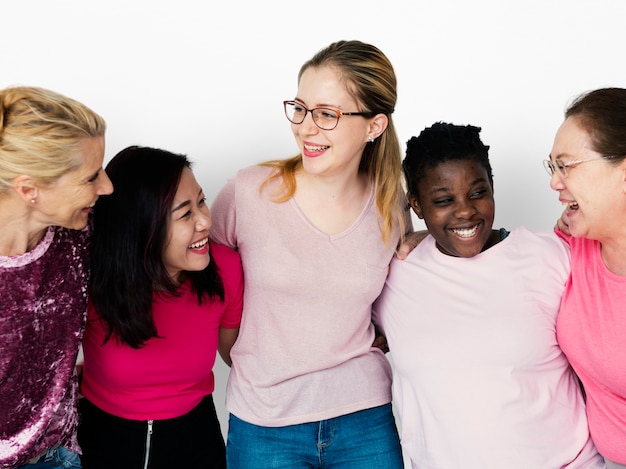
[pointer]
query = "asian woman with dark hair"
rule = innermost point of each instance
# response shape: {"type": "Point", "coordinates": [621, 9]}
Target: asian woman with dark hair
{"type": "Point", "coordinates": [163, 300]}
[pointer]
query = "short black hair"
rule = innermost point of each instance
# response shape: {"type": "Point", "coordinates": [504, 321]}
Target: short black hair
{"type": "Point", "coordinates": [440, 143]}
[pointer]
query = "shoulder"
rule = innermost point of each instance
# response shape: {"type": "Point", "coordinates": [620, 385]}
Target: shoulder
{"type": "Point", "coordinates": [246, 180]}
{"type": "Point", "coordinates": [76, 240]}
{"type": "Point", "coordinates": [227, 259]}
{"type": "Point", "coordinates": [255, 173]}
{"type": "Point", "coordinates": [544, 248]}
{"type": "Point", "coordinates": [224, 254]}
{"type": "Point", "coordinates": [545, 240]}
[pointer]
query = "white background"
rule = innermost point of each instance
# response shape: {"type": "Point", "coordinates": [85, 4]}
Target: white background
{"type": "Point", "coordinates": [207, 78]}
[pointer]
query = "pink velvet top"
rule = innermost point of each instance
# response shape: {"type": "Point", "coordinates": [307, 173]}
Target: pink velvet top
{"type": "Point", "coordinates": [42, 312]}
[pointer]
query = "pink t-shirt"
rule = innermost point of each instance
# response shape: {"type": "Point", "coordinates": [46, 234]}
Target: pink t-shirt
{"type": "Point", "coordinates": [304, 350]}
{"type": "Point", "coordinates": [170, 374]}
{"type": "Point", "coordinates": [479, 379]}
{"type": "Point", "coordinates": [591, 329]}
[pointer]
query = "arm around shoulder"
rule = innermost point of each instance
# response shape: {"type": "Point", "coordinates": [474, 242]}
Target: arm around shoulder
{"type": "Point", "coordinates": [411, 240]}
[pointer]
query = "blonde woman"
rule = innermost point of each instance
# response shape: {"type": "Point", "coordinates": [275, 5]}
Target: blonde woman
{"type": "Point", "coordinates": [316, 233]}
{"type": "Point", "coordinates": [51, 154]}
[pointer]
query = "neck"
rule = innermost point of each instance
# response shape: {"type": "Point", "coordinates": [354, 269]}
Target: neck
{"type": "Point", "coordinates": [614, 257]}
{"type": "Point", "coordinates": [19, 232]}
{"type": "Point", "coordinates": [334, 190]}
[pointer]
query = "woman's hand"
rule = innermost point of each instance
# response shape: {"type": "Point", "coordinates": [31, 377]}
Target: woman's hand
{"type": "Point", "coordinates": [411, 241]}
{"type": "Point", "coordinates": [562, 224]}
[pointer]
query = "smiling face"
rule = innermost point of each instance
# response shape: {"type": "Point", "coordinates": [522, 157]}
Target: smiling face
{"type": "Point", "coordinates": [69, 200]}
{"type": "Point", "coordinates": [593, 191]}
{"type": "Point", "coordinates": [456, 203]}
{"type": "Point", "coordinates": [330, 152]}
{"type": "Point", "coordinates": [187, 248]}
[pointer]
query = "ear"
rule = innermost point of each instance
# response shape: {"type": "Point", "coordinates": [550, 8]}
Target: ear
{"type": "Point", "coordinates": [378, 125]}
{"type": "Point", "coordinates": [415, 205]}
{"type": "Point", "coordinates": [25, 188]}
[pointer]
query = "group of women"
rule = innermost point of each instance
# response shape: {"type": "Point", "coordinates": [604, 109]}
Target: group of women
{"type": "Point", "coordinates": [153, 279]}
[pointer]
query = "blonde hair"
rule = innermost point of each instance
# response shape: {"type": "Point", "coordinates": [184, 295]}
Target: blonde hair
{"type": "Point", "coordinates": [369, 76]}
{"type": "Point", "coordinates": [40, 131]}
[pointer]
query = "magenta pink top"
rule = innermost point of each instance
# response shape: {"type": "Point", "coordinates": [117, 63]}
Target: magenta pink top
{"type": "Point", "coordinates": [169, 375]}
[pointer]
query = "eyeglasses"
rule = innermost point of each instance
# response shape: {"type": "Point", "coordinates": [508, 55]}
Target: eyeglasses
{"type": "Point", "coordinates": [561, 168]}
{"type": "Point", "coordinates": [325, 118]}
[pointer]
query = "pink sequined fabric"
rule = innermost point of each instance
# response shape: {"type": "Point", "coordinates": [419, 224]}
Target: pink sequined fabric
{"type": "Point", "coordinates": [43, 297]}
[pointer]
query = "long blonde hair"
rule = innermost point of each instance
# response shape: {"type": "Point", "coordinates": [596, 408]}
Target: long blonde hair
{"type": "Point", "coordinates": [369, 76]}
{"type": "Point", "coordinates": [40, 131]}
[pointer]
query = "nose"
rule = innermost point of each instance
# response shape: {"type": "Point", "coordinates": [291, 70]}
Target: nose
{"type": "Point", "coordinates": [556, 182]}
{"type": "Point", "coordinates": [203, 221]}
{"type": "Point", "coordinates": [105, 186]}
{"type": "Point", "coordinates": [308, 124]}
{"type": "Point", "coordinates": [464, 209]}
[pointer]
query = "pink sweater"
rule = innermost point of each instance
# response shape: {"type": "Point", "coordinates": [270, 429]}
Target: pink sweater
{"type": "Point", "coordinates": [304, 350]}
{"type": "Point", "coordinates": [169, 375]}
{"type": "Point", "coordinates": [591, 329]}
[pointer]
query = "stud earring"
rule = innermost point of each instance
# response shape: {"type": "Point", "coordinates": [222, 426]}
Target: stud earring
{"type": "Point", "coordinates": [370, 139]}
{"type": "Point", "coordinates": [32, 201]}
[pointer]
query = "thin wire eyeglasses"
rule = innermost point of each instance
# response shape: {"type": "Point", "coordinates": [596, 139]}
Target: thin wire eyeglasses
{"type": "Point", "coordinates": [325, 118]}
{"type": "Point", "coordinates": [561, 168]}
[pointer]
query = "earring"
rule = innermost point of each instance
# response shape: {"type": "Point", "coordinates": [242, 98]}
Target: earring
{"type": "Point", "coordinates": [32, 201]}
{"type": "Point", "coordinates": [370, 139]}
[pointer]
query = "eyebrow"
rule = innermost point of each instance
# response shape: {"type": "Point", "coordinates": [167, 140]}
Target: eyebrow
{"type": "Point", "coordinates": [446, 189]}
{"type": "Point", "coordinates": [185, 203]}
{"type": "Point", "coordinates": [561, 156]}
{"type": "Point", "coordinates": [317, 106]}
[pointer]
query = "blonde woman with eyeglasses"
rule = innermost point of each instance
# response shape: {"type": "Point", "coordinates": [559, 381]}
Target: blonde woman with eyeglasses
{"type": "Point", "coordinates": [316, 233]}
{"type": "Point", "coordinates": [51, 153]}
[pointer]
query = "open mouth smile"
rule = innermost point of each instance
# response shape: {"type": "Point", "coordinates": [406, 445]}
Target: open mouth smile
{"type": "Point", "coordinates": [200, 244]}
{"type": "Point", "coordinates": [468, 232]}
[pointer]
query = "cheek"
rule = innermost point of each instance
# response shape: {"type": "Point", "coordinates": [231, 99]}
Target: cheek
{"type": "Point", "coordinates": [490, 210]}
{"type": "Point", "coordinates": [436, 220]}
{"type": "Point", "coordinates": [81, 196]}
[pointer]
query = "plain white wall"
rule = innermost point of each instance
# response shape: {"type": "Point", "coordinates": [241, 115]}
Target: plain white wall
{"type": "Point", "coordinates": [207, 78]}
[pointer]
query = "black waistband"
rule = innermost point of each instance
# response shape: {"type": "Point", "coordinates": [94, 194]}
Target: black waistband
{"type": "Point", "coordinates": [200, 412]}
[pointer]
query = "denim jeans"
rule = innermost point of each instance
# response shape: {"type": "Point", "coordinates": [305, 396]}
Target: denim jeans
{"type": "Point", "coordinates": [367, 439]}
{"type": "Point", "coordinates": [56, 458]}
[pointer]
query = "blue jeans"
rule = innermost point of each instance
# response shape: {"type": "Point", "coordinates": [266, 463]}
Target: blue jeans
{"type": "Point", "coordinates": [56, 458]}
{"type": "Point", "coordinates": [363, 440]}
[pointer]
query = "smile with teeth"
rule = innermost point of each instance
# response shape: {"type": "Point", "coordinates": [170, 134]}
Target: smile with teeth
{"type": "Point", "coordinates": [199, 244]}
{"type": "Point", "coordinates": [465, 232]}
{"type": "Point", "coordinates": [571, 205]}
{"type": "Point", "coordinates": [315, 148]}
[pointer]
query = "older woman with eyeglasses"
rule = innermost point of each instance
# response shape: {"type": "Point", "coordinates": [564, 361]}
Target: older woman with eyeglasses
{"type": "Point", "coordinates": [316, 233]}
{"type": "Point", "coordinates": [588, 169]}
